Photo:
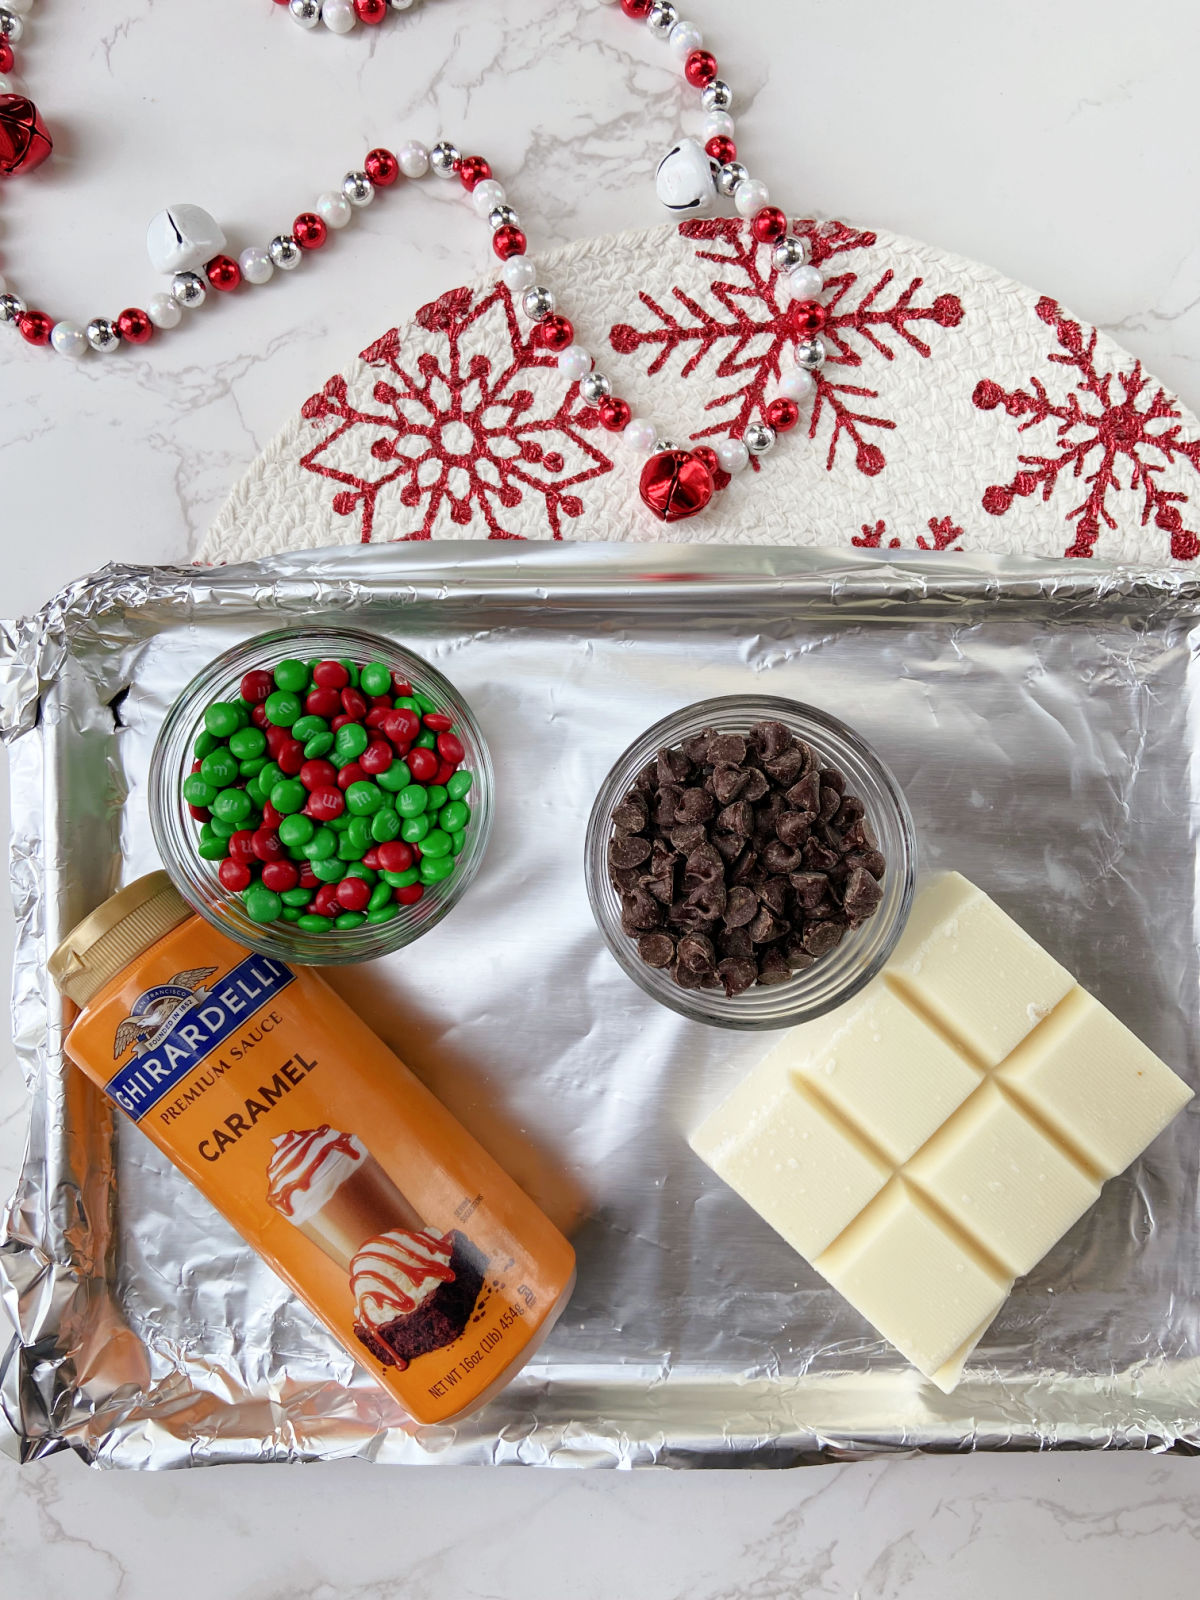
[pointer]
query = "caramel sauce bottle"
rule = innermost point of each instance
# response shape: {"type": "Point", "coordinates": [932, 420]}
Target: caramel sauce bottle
{"type": "Point", "coordinates": [326, 1154]}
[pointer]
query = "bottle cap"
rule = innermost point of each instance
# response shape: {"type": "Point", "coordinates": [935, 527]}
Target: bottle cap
{"type": "Point", "coordinates": [115, 934]}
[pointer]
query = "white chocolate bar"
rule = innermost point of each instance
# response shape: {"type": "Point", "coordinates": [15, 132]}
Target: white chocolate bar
{"type": "Point", "coordinates": [930, 1141]}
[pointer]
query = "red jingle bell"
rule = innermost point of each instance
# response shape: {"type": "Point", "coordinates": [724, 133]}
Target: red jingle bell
{"type": "Point", "coordinates": [24, 142]}
{"type": "Point", "coordinates": [676, 484]}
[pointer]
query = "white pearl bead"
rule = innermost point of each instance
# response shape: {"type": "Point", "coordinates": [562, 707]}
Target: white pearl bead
{"type": "Point", "coordinates": [574, 362]}
{"type": "Point", "coordinates": [519, 273]}
{"type": "Point", "coordinates": [164, 311]}
{"type": "Point", "coordinates": [732, 455]}
{"type": "Point", "coordinates": [256, 263]}
{"type": "Point", "coordinates": [718, 125]}
{"type": "Point", "coordinates": [796, 384]}
{"type": "Point", "coordinates": [640, 434]}
{"type": "Point", "coordinates": [805, 283]}
{"type": "Point", "coordinates": [413, 157]}
{"type": "Point", "coordinates": [69, 339]}
{"type": "Point", "coordinates": [339, 16]}
{"type": "Point", "coordinates": [334, 209]}
{"type": "Point", "coordinates": [750, 196]}
{"type": "Point", "coordinates": [685, 37]}
{"type": "Point", "coordinates": [485, 196]}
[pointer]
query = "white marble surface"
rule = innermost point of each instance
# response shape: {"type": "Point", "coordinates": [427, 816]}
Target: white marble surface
{"type": "Point", "coordinates": [1056, 142]}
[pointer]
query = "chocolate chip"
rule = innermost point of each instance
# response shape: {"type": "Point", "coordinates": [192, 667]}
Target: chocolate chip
{"type": "Point", "coordinates": [729, 782]}
{"type": "Point", "coordinates": [703, 865]}
{"type": "Point", "coordinates": [698, 749]}
{"type": "Point", "coordinates": [811, 888]}
{"type": "Point", "coordinates": [822, 937]}
{"type": "Point", "coordinates": [745, 868]}
{"type": "Point", "coordinates": [740, 906]}
{"type": "Point", "coordinates": [688, 835]}
{"type": "Point", "coordinates": [792, 828]}
{"type": "Point", "coordinates": [735, 942]}
{"type": "Point", "coordinates": [797, 956]}
{"type": "Point", "coordinates": [870, 861]}
{"type": "Point", "coordinates": [738, 973]}
{"type": "Point", "coordinates": [710, 900]}
{"type": "Point", "coordinates": [666, 802]}
{"type": "Point", "coordinates": [767, 926]}
{"type": "Point", "coordinates": [756, 784]}
{"type": "Point", "coordinates": [673, 767]}
{"type": "Point", "coordinates": [862, 896]}
{"type": "Point", "coordinates": [835, 778]}
{"type": "Point", "coordinates": [851, 810]}
{"type": "Point", "coordinates": [785, 768]}
{"type": "Point", "coordinates": [687, 978]}
{"type": "Point", "coordinates": [774, 967]}
{"type": "Point", "coordinates": [830, 801]}
{"type": "Point", "coordinates": [729, 845]}
{"type": "Point", "coordinates": [777, 857]}
{"type": "Point", "coordinates": [818, 857]}
{"type": "Point", "coordinates": [769, 739]}
{"type": "Point", "coordinates": [633, 814]}
{"type": "Point", "coordinates": [640, 912]}
{"type": "Point", "coordinates": [647, 779]}
{"type": "Point", "coordinates": [727, 747]}
{"type": "Point", "coordinates": [656, 949]}
{"type": "Point", "coordinates": [696, 951]}
{"type": "Point", "coordinates": [774, 894]}
{"type": "Point", "coordinates": [661, 888]}
{"type": "Point", "coordinates": [628, 850]}
{"type": "Point", "coordinates": [737, 818]}
{"type": "Point", "coordinates": [805, 795]}
{"type": "Point", "coordinates": [695, 805]}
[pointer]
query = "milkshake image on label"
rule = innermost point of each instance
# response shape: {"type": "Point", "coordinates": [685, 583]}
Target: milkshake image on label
{"type": "Point", "coordinates": [330, 1186]}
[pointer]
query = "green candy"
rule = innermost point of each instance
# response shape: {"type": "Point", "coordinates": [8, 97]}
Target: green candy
{"type": "Point", "coordinates": [359, 832]}
{"type": "Point", "coordinates": [347, 849]}
{"type": "Point", "coordinates": [352, 668]}
{"type": "Point", "coordinates": [243, 709]}
{"type": "Point", "coordinates": [290, 914]}
{"type": "Point", "coordinates": [414, 829]}
{"type": "Point", "coordinates": [296, 853]}
{"type": "Point", "coordinates": [196, 792]}
{"type": "Point", "coordinates": [232, 805]}
{"type": "Point", "coordinates": [384, 914]}
{"type": "Point", "coordinates": [252, 768]}
{"type": "Point", "coordinates": [363, 798]}
{"type": "Point", "coordinates": [349, 919]}
{"type": "Point", "coordinates": [247, 743]}
{"type": "Point", "coordinates": [222, 828]}
{"type": "Point", "coordinates": [425, 705]}
{"type": "Point", "coordinates": [312, 923]}
{"type": "Point", "coordinates": [289, 796]}
{"type": "Point", "coordinates": [322, 845]}
{"type": "Point", "coordinates": [329, 870]}
{"type": "Point", "coordinates": [219, 768]}
{"type": "Point", "coordinates": [357, 870]}
{"type": "Point", "coordinates": [282, 708]}
{"type": "Point", "coordinates": [454, 817]}
{"type": "Point", "coordinates": [254, 790]}
{"type": "Point", "coordinates": [438, 795]}
{"type": "Point", "coordinates": [407, 703]}
{"type": "Point", "coordinates": [293, 676]}
{"type": "Point", "coordinates": [317, 744]}
{"type": "Point", "coordinates": [401, 880]}
{"type": "Point", "coordinates": [304, 727]}
{"type": "Point", "coordinates": [296, 830]}
{"type": "Point", "coordinates": [351, 740]}
{"type": "Point", "coordinates": [204, 743]}
{"type": "Point", "coordinates": [412, 801]}
{"type": "Point", "coordinates": [339, 824]}
{"type": "Point", "coordinates": [270, 775]}
{"type": "Point", "coordinates": [458, 787]}
{"type": "Point", "coordinates": [381, 895]}
{"type": "Point", "coordinates": [297, 897]}
{"type": "Point", "coordinates": [385, 825]}
{"type": "Point", "coordinates": [375, 678]}
{"type": "Point", "coordinates": [396, 777]}
{"type": "Point", "coordinates": [435, 843]}
{"type": "Point", "coordinates": [262, 905]}
{"type": "Point", "coordinates": [458, 842]}
{"type": "Point", "coordinates": [213, 848]}
{"type": "Point", "coordinates": [435, 868]}
{"type": "Point", "coordinates": [426, 741]}
{"type": "Point", "coordinates": [221, 719]}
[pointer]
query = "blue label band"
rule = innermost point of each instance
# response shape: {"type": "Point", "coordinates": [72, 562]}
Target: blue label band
{"type": "Point", "coordinates": [200, 1030]}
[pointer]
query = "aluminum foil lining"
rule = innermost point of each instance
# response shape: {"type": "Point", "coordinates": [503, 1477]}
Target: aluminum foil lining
{"type": "Point", "coordinates": [1043, 720]}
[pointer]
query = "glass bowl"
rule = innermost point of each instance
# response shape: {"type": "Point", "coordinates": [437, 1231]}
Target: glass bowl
{"type": "Point", "coordinates": [831, 980]}
{"type": "Point", "coordinates": [176, 832]}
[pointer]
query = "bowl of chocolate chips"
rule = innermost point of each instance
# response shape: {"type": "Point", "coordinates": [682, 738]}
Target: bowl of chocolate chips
{"type": "Point", "coordinates": [750, 861]}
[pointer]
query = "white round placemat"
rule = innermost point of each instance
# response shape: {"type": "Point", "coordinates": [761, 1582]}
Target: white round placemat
{"type": "Point", "coordinates": [956, 410]}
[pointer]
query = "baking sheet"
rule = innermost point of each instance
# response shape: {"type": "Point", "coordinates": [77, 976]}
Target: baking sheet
{"type": "Point", "coordinates": [1042, 718]}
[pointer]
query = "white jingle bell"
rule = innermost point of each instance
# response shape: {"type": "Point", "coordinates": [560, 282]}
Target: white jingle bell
{"type": "Point", "coordinates": [183, 238]}
{"type": "Point", "coordinates": [685, 178]}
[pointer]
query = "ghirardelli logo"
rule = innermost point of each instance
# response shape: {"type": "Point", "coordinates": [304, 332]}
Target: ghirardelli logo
{"type": "Point", "coordinates": [157, 1011]}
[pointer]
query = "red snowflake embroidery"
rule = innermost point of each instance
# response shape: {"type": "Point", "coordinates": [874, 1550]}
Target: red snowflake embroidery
{"type": "Point", "coordinates": [1130, 435]}
{"type": "Point", "coordinates": [752, 328]}
{"type": "Point", "coordinates": [943, 532]}
{"type": "Point", "coordinates": [458, 435]}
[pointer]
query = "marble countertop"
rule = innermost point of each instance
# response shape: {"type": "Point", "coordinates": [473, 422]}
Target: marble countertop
{"type": "Point", "coordinates": [1054, 142]}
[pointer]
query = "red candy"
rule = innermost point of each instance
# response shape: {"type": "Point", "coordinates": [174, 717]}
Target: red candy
{"type": "Point", "coordinates": [444, 772]}
{"type": "Point", "coordinates": [402, 727]}
{"type": "Point", "coordinates": [423, 763]}
{"type": "Point", "coordinates": [241, 845]}
{"type": "Point", "coordinates": [276, 739]}
{"type": "Point", "coordinates": [289, 757]}
{"type": "Point", "coordinates": [377, 757]}
{"type": "Point", "coordinates": [354, 703]}
{"type": "Point", "coordinates": [200, 813]}
{"type": "Point", "coordinates": [256, 686]}
{"type": "Point", "coordinates": [318, 775]}
{"type": "Point", "coordinates": [376, 717]}
{"type": "Point", "coordinates": [439, 722]}
{"type": "Point", "coordinates": [268, 846]}
{"type": "Point", "coordinates": [280, 876]}
{"type": "Point", "coordinates": [271, 817]}
{"type": "Point", "coordinates": [325, 901]}
{"type": "Point", "coordinates": [322, 702]}
{"type": "Point", "coordinates": [410, 895]}
{"type": "Point", "coordinates": [371, 859]}
{"type": "Point", "coordinates": [352, 772]}
{"type": "Point", "coordinates": [234, 875]}
{"type": "Point", "coordinates": [308, 878]}
{"type": "Point", "coordinates": [395, 856]}
{"type": "Point", "coordinates": [401, 687]}
{"type": "Point", "coordinates": [353, 894]}
{"type": "Point", "coordinates": [325, 804]}
{"type": "Point", "coordinates": [258, 716]}
{"type": "Point", "coordinates": [450, 748]}
{"type": "Point", "coordinates": [330, 675]}
{"type": "Point", "coordinates": [340, 721]}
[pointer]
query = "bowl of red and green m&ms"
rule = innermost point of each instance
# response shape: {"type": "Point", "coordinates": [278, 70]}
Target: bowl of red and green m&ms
{"type": "Point", "coordinates": [321, 795]}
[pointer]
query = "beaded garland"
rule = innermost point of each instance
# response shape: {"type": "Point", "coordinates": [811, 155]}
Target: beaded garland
{"type": "Point", "coordinates": [676, 481]}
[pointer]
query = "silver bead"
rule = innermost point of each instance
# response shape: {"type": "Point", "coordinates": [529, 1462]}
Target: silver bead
{"type": "Point", "coordinates": [11, 26]}
{"type": "Point", "coordinates": [103, 335]}
{"type": "Point", "coordinates": [594, 388]}
{"type": "Point", "coordinates": [444, 159]}
{"type": "Point", "coordinates": [537, 303]}
{"type": "Point", "coordinates": [189, 290]}
{"type": "Point", "coordinates": [502, 217]}
{"type": "Point", "coordinates": [730, 175]}
{"type": "Point", "coordinates": [758, 438]}
{"type": "Point", "coordinates": [663, 444]}
{"type": "Point", "coordinates": [810, 354]}
{"type": "Point", "coordinates": [12, 307]}
{"type": "Point", "coordinates": [789, 253]}
{"type": "Point", "coordinates": [358, 188]}
{"type": "Point", "coordinates": [716, 96]}
{"type": "Point", "coordinates": [661, 18]}
{"type": "Point", "coordinates": [306, 12]}
{"type": "Point", "coordinates": [284, 252]}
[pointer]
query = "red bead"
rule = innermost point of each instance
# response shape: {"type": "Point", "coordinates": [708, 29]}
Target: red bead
{"type": "Point", "coordinates": [637, 9]}
{"type": "Point", "coordinates": [352, 772]}
{"type": "Point", "coordinates": [439, 722]}
{"type": "Point", "coordinates": [508, 242]}
{"type": "Point", "coordinates": [422, 764]}
{"type": "Point", "coordinates": [256, 686]}
{"type": "Point", "coordinates": [6, 55]}
{"type": "Point", "coordinates": [371, 11]}
{"type": "Point", "coordinates": [769, 225]}
{"type": "Point", "coordinates": [473, 170]}
{"type": "Point", "coordinates": [290, 757]}
{"type": "Point", "coordinates": [410, 895]}
{"type": "Point", "coordinates": [325, 804]}
{"type": "Point", "coordinates": [808, 317]}
{"type": "Point", "coordinates": [353, 894]}
{"type": "Point", "coordinates": [24, 142]}
{"type": "Point", "coordinates": [241, 845]}
{"type": "Point", "coordinates": [783, 414]}
{"type": "Point", "coordinates": [708, 456]}
{"type": "Point", "coordinates": [449, 747]}
{"type": "Point", "coordinates": [223, 273]}
{"type": "Point", "coordinates": [381, 167]}
{"type": "Point", "coordinates": [401, 727]}
{"type": "Point", "coordinates": [554, 333]}
{"type": "Point", "coordinates": [330, 675]}
{"type": "Point", "coordinates": [700, 68]}
{"type": "Point", "coordinates": [34, 327]}
{"type": "Point", "coordinates": [676, 484]}
{"type": "Point", "coordinates": [720, 148]}
{"type": "Point", "coordinates": [354, 703]}
{"type": "Point", "coordinates": [318, 775]}
{"type": "Point", "coordinates": [234, 875]}
{"type": "Point", "coordinates": [322, 702]}
{"type": "Point", "coordinates": [280, 876]}
{"type": "Point", "coordinates": [377, 757]}
{"type": "Point", "coordinates": [325, 901]}
{"type": "Point", "coordinates": [268, 846]}
{"type": "Point", "coordinates": [309, 231]}
{"type": "Point", "coordinates": [135, 325]}
{"type": "Point", "coordinates": [395, 856]}
{"type": "Point", "coordinates": [615, 414]}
